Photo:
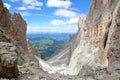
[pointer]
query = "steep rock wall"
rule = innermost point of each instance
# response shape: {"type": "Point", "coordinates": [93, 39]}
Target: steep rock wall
{"type": "Point", "coordinates": [96, 46]}
{"type": "Point", "coordinates": [13, 43]}
{"type": "Point", "coordinates": [14, 25]}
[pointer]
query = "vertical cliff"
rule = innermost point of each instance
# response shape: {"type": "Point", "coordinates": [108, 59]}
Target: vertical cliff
{"type": "Point", "coordinates": [13, 29]}
{"type": "Point", "coordinates": [13, 43]}
{"type": "Point", "coordinates": [15, 26]}
{"type": "Point", "coordinates": [96, 46]}
{"type": "Point", "coordinates": [99, 44]}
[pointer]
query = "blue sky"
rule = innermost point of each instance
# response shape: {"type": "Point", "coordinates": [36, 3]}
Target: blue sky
{"type": "Point", "coordinates": [50, 15]}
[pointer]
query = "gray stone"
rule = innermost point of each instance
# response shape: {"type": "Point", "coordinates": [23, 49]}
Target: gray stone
{"type": "Point", "coordinates": [8, 61]}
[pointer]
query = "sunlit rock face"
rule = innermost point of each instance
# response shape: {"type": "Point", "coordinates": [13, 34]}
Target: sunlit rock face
{"type": "Point", "coordinates": [14, 25]}
{"type": "Point", "coordinates": [13, 30]}
{"type": "Point", "coordinates": [95, 46]}
{"type": "Point", "coordinates": [13, 43]}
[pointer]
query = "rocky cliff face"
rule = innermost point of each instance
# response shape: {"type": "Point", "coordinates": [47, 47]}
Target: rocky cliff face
{"type": "Point", "coordinates": [8, 61]}
{"type": "Point", "coordinates": [92, 54]}
{"type": "Point", "coordinates": [17, 56]}
{"type": "Point", "coordinates": [96, 46]}
{"type": "Point", "coordinates": [15, 26]}
{"type": "Point", "coordinates": [13, 43]}
{"type": "Point", "coordinates": [13, 30]}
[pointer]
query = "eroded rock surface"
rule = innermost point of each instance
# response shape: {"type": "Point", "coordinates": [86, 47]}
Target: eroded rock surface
{"type": "Point", "coordinates": [14, 25]}
{"type": "Point", "coordinates": [95, 50]}
{"type": "Point", "coordinates": [8, 61]}
{"type": "Point", "coordinates": [13, 43]}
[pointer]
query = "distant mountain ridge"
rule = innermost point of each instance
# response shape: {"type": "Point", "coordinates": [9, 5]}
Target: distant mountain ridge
{"type": "Point", "coordinates": [56, 36]}
{"type": "Point", "coordinates": [47, 44]}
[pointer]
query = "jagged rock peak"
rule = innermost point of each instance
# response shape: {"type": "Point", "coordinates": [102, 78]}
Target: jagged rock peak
{"type": "Point", "coordinates": [1, 3]}
{"type": "Point", "coordinates": [13, 43]}
{"type": "Point", "coordinates": [15, 26]}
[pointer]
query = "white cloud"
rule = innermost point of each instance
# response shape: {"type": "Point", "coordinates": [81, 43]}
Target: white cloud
{"type": "Point", "coordinates": [38, 8]}
{"type": "Point", "coordinates": [70, 21]}
{"type": "Point", "coordinates": [7, 5]}
{"type": "Point", "coordinates": [57, 22]}
{"type": "Point", "coordinates": [65, 13]}
{"type": "Point", "coordinates": [30, 4]}
{"type": "Point", "coordinates": [24, 13]}
{"type": "Point", "coordinates": [52, 29]}
{"type": "Point", "coordinates": [73, 20]}
{"type": "Point", "coordinates": [29, 7]}
{"type": "Point", "coordinates": [22, 8]}
{"type": "Point", "coordinates": [14, 0]}
{"type": "Point", "coordinates": [59, 3]}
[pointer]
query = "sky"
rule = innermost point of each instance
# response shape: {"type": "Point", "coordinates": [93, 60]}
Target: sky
{"type": "Point", "coordinates": [52, 16]}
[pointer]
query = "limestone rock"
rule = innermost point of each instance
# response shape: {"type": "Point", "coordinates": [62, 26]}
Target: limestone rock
{"type": "Point", "coordinates": [15, 26]}
{"type": "Point", "coordinates": [13, 30]}
{"type": "Point", "coordinates": [13, 43]}
{"type": "Point", "coordinates": [8, 61]}
{"type": "Point", "coordinates": [96, 45]}
{"type": "Point", "coordinates": [17, 30]}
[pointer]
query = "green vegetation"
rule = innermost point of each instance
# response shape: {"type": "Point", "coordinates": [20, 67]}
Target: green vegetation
{"type": "Point", "coordinates": [47, 43]}
{"type": "Point", "coordinates": [46, 47]}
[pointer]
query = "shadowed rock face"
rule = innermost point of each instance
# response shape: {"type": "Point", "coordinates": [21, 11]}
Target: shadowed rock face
{"type": "Point", "coordinates": [13, 30]}
{"type": "Point", "coordinates": [8, 61]}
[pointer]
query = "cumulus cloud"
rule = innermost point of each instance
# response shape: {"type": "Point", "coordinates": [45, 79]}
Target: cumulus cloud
{"type": "Point", "coordinates": [30, 4]}
{"type": "Point", "coordinates": [65, 13]}
{"type": "Point", "coordinates": [57, 22]}
{"type": "Point", "coordinates": [73, 20]}
{"type": "Point", "coordinates": [22, 8]}
{"type": "Point", "coordinates": [7, 5]}
{"type": "Point", "coordinates": [59, 3]}
{"type": "Point", "coordinates": [70, 21]}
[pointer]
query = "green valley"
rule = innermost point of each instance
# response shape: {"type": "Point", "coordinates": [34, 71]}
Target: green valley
{"type": "Point", "coordinates": [47, 44]}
